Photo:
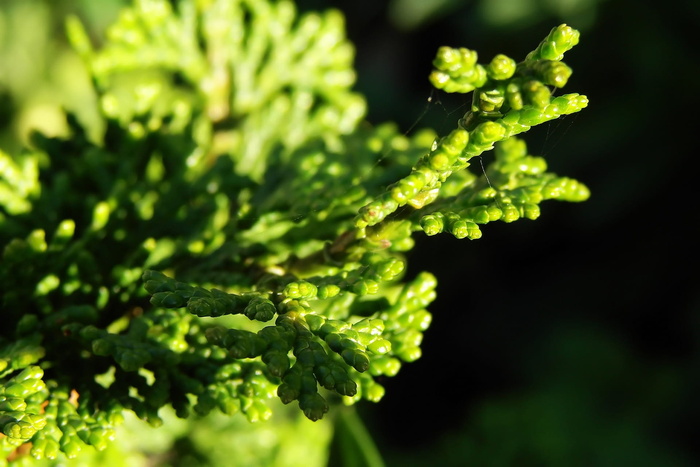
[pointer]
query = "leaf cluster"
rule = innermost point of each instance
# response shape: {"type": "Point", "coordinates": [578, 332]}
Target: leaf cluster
{"type": "Point", "coordinates": [237, 233]}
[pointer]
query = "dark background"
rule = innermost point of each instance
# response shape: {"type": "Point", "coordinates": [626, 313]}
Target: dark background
{"type": "Point", "coordinates": [572, 340]}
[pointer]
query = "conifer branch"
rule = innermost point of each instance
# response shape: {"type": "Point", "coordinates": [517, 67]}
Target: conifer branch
{"type": "Point", "coordinates": [237, 234]}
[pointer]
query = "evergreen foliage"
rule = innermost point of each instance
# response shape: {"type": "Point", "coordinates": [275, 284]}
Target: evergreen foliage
{"type": "Point", "coordinates": [238, 233]}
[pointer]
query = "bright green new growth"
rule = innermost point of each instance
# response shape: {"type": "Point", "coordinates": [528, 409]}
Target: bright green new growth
{"type": "Point", "coordinates": [237, 234]}
{"type": "Point", "coordinates": [508, 99]}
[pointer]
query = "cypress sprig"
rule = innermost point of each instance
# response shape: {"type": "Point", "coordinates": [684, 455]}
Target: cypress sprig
{"type": "Point", "coordinates": [508, 99]}
{"type": "Point", "coordinates": [235, 234]}
{"type": "Point", "coordinates": [511, 189]}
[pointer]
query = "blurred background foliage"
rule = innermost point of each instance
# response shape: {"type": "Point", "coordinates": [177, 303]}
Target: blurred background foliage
{"type": "Point", "coordinates": [570, 341]}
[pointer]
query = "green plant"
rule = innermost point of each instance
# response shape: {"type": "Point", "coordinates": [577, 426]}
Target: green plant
{"type": "Point", "coordinates": [237, 233]}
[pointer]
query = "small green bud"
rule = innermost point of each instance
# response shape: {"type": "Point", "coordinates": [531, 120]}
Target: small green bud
{"type": "Point", "coordinates": [201, 306]}
{"type": "Point", "coordinates": [490, 100]}
{"type": "Point", "coordinates": [390, 269]}
{"type": "Point", "coordinates": [488, 133]}
{"type": "Point", "coordinates": [213, 303]}
{"type": "Point", "coordinates": [328, 291]}
{"type": "Point", "coordinates": [313, 405]}
{"type": "Point", "coordinates": [565, 189]}
{"type": "Point", "coordinates": [536, 94]}
{"type": "Point", "coordinates": [559, 40]}
{"type": "Point", "coordinates": [277, 362]}
{"type": "Point", "coordinates": [379, 346]}
{"type": "Point", "coordinates": [553, 73]}
{"type": "Point", "coordinates": [457, 70]}
{"type": "Point", "coordinates": [376, 211]}
{"type": "Point", "coordinates": [365, 287]}
{"type": "Point", "coordinates": [409, 353]}
{"type": "Point", "coordinates": [332, 376]}
{"type": "Point", "coordinates": [315, 322]}
{"type": "Point", "coordinates": [346, 388]}
{"type": "Point", "coordinates": [372, 326]}
{"type": "Point", "coordinates": [356, 359]}
{"type": "Point", "coordinates": [260, 309]}
{"type": "Point", "coordinates": [287, 393]}
{"type": "Point", "coordinates": [530, 211]}
{"type": "Point", "coordinates": [510, 213]}
{"type": "Point", "coordinates": [433, 224]}
{"type": "Point", "coordinates": [444, 156]}
{"type": "Point", "coordinates": [300, 290]}
{"type": "Point", "coordinates": [294, 307]}
{"type": "Point", "coordinates": [501, 67]}
{"type": "Point", "coordinates": [420, 320]}
{"type": "Point", "coordinates": [440, 79]}
{"type": "Point", "coordinates": [168, 300]}
{"type": "Point", "coordinates": [374, 393]}
{"type": "Point", "coordinates": [385, 365]}
{"type": "Point", "coordinates": [450, 59]}
{"type": "Point", "coordinates": [478, 214]}
{"type": "Point", "coordinates": [406, 188]}
{"type": "Point", "coordinates": [440, 160]}
{"type": "Point", "coordinates": [465, 229]}
{"type": "Point", "coordinates": [570, 103]}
